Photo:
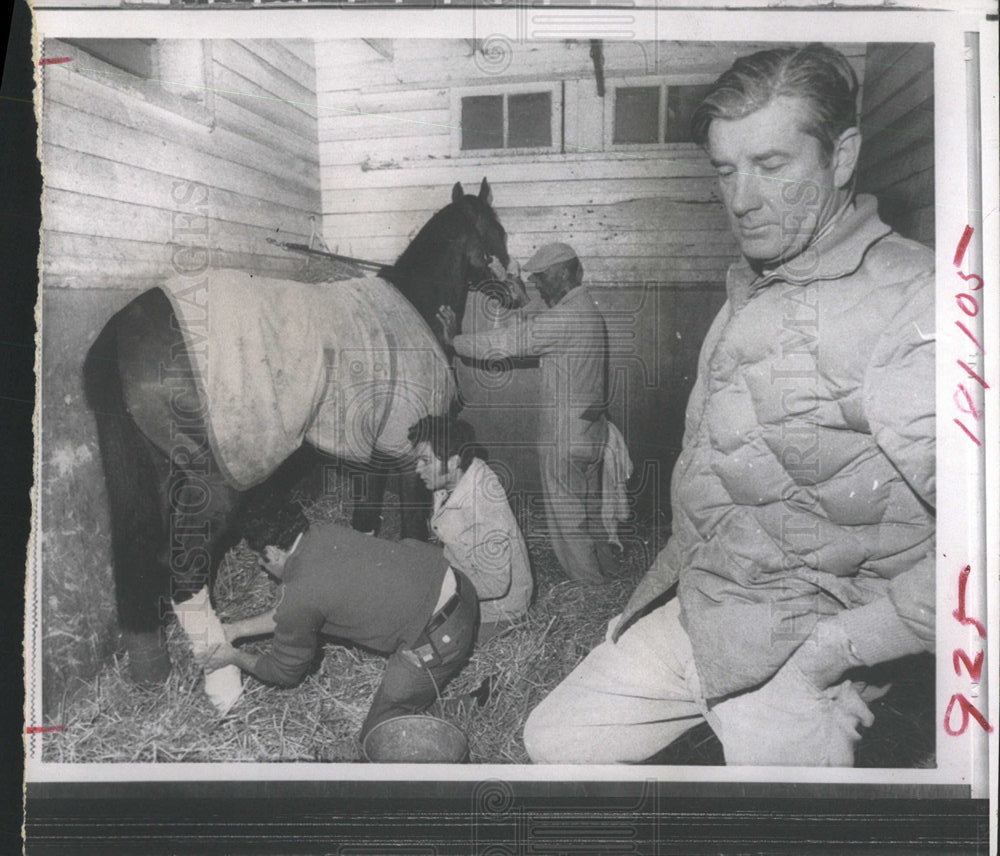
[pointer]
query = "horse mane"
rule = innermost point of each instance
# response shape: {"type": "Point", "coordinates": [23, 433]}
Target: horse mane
{"type": "Point", "coordinates": [431, 270]}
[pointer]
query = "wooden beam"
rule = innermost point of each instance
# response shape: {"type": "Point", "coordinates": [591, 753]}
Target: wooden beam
{"type": "Point", "coordinates": [383, 47]}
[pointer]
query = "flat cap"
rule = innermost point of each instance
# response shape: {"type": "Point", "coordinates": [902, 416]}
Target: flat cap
{"type": "Point", "coordinates": [545, 257]}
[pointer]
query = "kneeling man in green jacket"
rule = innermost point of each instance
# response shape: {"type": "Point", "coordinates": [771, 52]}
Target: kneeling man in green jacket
{"type": "Point", "coordinates": [399, 598]}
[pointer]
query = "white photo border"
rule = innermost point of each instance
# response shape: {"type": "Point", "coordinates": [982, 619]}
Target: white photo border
{"type": "Point", "coordinates": [963, 531]}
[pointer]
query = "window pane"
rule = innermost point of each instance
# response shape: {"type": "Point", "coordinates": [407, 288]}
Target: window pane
{"type": "Point", "coordinates": [637, 114]}
{"type": "Point", "coordinates": [529, 118]}
{"type": "Point", "coordinates": [482, 122]}
{"type": "Point", "coordinates": [681, 103]}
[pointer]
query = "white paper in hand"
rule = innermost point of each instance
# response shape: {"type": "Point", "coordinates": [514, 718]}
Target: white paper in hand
{"type": "Point", "coordinates": [204, 631]}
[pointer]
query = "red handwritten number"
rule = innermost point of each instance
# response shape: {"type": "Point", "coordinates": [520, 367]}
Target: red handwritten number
{"type": "Point", "coordinates": [963, 245]}
{"type": "Point", "coordinates": [968, 709]}
{"type": "Point", "coordinates": [974, 667]}
{"type": "Point", "coordinates": [963, 581]}
{"type": "Point", "coordinates": [970, 407]}
{"type": "Point", "coordinates": [974, 276]}
{"type": "Point", "coordinates": [969, 306]}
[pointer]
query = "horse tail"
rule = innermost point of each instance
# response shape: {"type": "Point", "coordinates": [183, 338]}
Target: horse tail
{"type": "Point", "coordinates": [142, 579]}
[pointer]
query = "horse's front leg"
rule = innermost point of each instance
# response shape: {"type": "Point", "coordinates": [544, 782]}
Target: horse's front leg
{"type": "Point", "coordinates": [367, 491]}
{"type": "Point", "coordinates": [200, 531]}
{"type": "Point", "coordinates": [415, 506]}
{"type": "Point", "coordinates": [367, 488]}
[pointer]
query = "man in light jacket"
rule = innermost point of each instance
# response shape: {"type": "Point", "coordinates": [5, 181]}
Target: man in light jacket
{"type": "Point", "coordinates": [473, 521]}
{"type": "Point", "coordinates": [803, 500]}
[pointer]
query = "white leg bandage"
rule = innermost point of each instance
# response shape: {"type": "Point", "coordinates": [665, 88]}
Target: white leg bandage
{"type": "Point", "coordinates": [204, 631]}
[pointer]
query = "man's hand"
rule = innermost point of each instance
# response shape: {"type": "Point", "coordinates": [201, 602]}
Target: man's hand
{"type": "Point", "coordinates": [257, 625]}
{"type": "Point", "coordinates": [824, 656]}
{"type": "Point", "coordinates": [511, 278]}
{"type": "Point", "coordinates": [214, 658]}
{"type": "Point", "coordinates": [518, 293]}
{"type": "Point", "coordinates": [497, 269]}
{"type": "Point", "coordinates": [449, 324]}
{"type": "Point", "coordinates": [273, 560]}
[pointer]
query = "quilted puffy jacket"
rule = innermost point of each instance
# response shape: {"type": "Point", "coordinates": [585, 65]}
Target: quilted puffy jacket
{"type": "Point", "coordinates": [805, 488]}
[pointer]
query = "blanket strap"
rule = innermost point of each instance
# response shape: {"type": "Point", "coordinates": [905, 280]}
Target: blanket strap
{"type": "Point", "coordinates": [393, 375]}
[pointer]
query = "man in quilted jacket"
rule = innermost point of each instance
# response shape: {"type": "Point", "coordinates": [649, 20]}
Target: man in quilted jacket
{"type": "Point", "coordinates": [803, 500]}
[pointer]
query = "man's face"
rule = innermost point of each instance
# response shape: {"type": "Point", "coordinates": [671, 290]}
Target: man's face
{"type": "Point", "coordinates": [551, 284]}
{"type": "Point", "coordinates": [430, 467]}
{"type": "Point", "coordinates": [778, 187]}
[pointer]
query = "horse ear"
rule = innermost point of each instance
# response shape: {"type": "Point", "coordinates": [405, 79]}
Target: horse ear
{"type": "Point", "coordinates": [457, 194]}
{"type": "Point", "coordinates": [486, 192]}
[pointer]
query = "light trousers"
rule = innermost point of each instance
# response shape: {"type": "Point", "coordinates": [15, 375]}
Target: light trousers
{"type": "Point", "coordinates": [627, 700]}
{"type": "Point", "coordinates": [571, 487]}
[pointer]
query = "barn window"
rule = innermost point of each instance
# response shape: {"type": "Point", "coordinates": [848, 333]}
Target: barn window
{"type": "Point", "coordinates": [529, 120]}
{"type": "Point", "coordinates": [174, 74]}
{"type": "Point", "coordinates": [514, 119]}
{"type": "Point", "coordinates": [637, 114]}
{"type": "Point", "coordinates": [651, 113]}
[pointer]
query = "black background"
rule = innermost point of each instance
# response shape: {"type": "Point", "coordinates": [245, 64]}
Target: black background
{"type": "Point", "coordinates": [355, 818]}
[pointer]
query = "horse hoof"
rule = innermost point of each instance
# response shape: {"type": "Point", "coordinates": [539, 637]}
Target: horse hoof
{"type": "Point", "coordinates": [148, 660]}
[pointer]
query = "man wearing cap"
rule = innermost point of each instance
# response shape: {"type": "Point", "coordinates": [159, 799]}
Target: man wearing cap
{"type": "Point", "coordinates": [568, 335]}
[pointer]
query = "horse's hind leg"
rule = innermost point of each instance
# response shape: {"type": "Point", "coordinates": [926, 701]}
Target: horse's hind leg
{"type": "Point", "coordinates": [200, 525]}
{"type": "Point", "coordinates": [135, 477]}
{"type": "Point", "coordinates": [171, 509]}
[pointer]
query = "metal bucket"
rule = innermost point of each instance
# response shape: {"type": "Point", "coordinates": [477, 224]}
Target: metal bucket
{"type": "Point", "coordinates": [415, 739]}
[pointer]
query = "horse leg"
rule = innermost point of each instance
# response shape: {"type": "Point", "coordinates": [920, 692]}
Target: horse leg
{"type": "Point", "coordinates": [201, 508]}
{"type": "Point", "coordinates": [199, 505]}
{"type": "Point", "coordinates": [415, 506]}
{"type": "Point", "coordinates": [200, 530]}
{"type": "Point", "coordinates": [368, 495]}
{"type": "Point", "coordinates": [171, 508]}
{"type": "Point", "coordinates": [367, 491]}
{"type": "Point", "coordinates": [133, 472]}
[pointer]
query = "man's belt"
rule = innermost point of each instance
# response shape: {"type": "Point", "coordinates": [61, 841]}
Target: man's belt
{"type": "Point", "coordinates": [445, 612]}
{"type": "Point", "coordinates": [424, 647]}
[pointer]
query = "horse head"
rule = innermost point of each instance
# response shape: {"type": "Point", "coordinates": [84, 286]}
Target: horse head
{"type": "Point", "coordinates": [487, 240]}
{"type": "Point", "coordinates": [451, 254]}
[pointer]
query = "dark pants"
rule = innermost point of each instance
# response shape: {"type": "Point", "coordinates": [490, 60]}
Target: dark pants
{"type": "Point", "coordinates": [411, 684]}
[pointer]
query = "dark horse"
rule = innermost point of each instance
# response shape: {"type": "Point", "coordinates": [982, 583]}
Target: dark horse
{"type": "Point", "coordinates": [172, 510]}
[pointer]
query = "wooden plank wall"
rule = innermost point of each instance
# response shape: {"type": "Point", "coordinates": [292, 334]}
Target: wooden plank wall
{"type": "Point", "coordinates": [897, 121]}
{"type": "Point", "coordinates": [140, 177]}
{"type": "Point", "coordinates": [648, 224]}
{"type": "Point", "coordinates": [385, 127]}
{"type": "Point", "coordinates": [121, 158]}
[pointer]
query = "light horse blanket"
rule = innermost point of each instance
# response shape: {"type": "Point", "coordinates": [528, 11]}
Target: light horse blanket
{"type": "Point", "coordinates": [348, 366]}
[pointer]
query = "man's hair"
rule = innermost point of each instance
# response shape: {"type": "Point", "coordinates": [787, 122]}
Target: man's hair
{"type": "Point", "coordinates": [263, 523]}
{"type": "Point", "coordinates": [820, 76]}
{"type": "Point", "coordinates": [447, 436]}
